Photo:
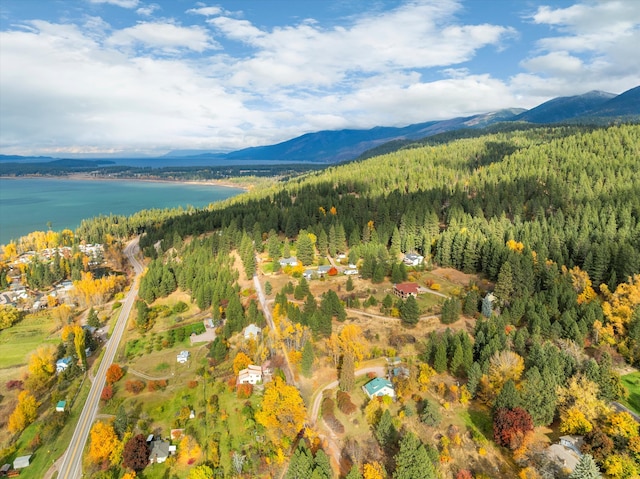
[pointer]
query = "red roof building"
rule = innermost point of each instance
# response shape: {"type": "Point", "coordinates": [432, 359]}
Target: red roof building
{"type": "Point", "coordinates": [404, 290]}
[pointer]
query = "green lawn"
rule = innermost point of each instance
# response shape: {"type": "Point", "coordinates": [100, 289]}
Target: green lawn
{"type": "Point", "coordinates": [21, 339]}
{"type": "Point", "coordinates": [44, 456]}
{"type": "Point", "coordinates": [632, 383]}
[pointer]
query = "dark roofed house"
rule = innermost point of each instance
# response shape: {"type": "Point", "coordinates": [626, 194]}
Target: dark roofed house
{"type": "Point", "coordinates": [159, 451]}
{"type": "Point", "coordinates": [404, 290]}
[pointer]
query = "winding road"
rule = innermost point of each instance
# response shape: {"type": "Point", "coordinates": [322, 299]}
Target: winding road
{"type": "Point", "coordinates": [71, 465]}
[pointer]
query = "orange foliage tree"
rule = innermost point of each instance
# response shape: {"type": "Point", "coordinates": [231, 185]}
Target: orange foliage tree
{"type": "Point", "coordinates": [114, 373]}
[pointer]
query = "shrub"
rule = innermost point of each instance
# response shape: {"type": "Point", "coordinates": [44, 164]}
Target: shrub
{"type": "Point", "coordinates": [156, 385]}
{"type": "Point", "coordinates": [329, 417]}
{"type": "Point", "coordinates": [344, 403]}
{"type": "Point", "coordinates": [192, 384]}
{"type": "Point", "coordinates": [107, 393]}
{"type": "Point", "coordinates": [244, 391]}
{"type": "Point", "coordinates": [134, 386]}
{"type": "Point", "coordinates": [14, 384]}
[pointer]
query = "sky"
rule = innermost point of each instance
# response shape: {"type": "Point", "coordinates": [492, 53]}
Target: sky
{"type": "Point", "coordinates": [136, 77]}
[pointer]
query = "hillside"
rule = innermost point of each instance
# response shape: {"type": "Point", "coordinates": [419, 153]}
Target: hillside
{"type": "Point", "coordinates": [546, 219]}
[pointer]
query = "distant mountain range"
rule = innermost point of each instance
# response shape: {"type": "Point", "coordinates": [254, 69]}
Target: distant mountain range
{"type": "Point", "coordinates": [595, 107]}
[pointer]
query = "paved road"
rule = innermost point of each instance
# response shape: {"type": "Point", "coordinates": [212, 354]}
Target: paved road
{"type": "Point", "coordinates": [71, 466]}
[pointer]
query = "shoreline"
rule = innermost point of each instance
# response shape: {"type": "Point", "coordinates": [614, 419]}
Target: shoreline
{"type": "Point", "coordinates": [84, 177]}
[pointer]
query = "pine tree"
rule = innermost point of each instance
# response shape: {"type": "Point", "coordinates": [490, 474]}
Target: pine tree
{"type": "Point", "coordinates": [413, 461]}
{"type": "Point", "coordinates": [322, 469]}
{"type": "Point", "coordinates": [304, 248]}
{"type": "Point", "coordinates": [385, 431]}
{"type": "Point", "coordinates": [301, 465]}
{"type": "Point", "coordinates": [504, 286]}
{"type": "Point", "coordinates": [306, 364]}
{"type": "Point", "coordinates": [586, 469]}
{"type": "Point", "coordinates": [440, 357]}
{"type": "Point", "coordinates": [354, 473]}
{"type": "Point", "coordinates": [92, 318]}
{"type": "Point", "coordinates": [410, 312]}
{"type": "Point", "coordinates": [430, 414]}
{"type": "Point", "coordinates": [508, 397]}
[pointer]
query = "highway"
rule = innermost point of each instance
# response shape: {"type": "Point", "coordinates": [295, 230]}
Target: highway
{"type": "Point", "coordinates": [71, 466]}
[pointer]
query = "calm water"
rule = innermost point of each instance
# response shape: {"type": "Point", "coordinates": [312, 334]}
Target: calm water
{"type": "Point", "coordinates": [27, 204]}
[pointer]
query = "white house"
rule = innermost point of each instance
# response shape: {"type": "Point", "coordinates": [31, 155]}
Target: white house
{"type": "Point", "coordinates": [308, 274]}
{"type": "Point", "coordinates": [21, 462]}
{"type": "Point", "coordinates": [63, 364]}
{"type": "Point", "coordinates": [251, 375]}
{"type": "Point", "coordinates": [379, 387]}
{"type": "Point", "coordinates": [293, 261]}
{"type": "Point", "coordinates": [413, 259]}
{"type": "Point", "coordinates": [566, 453]}
{"type": "Point", "coordinates": [350, 272]}
{"type": "Point", "coordinates": [252, 331]}
{"type": "Point", "coordinates": [183, 357]}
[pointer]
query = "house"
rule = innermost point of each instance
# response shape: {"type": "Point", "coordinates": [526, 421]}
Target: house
{"type": "Point", "coordinates": [322, 270]}
{"type": "Point", "coordinates": [63, 364]}
{"type": "Point", "coordinates": [293, 261]}
{"type": "Point", "coordinates": [159, 451]}
{"type": "Point", "coordinates": [379, 387]}
{"type": "Point", "coordinates": [566, 453]}
{"type": "Point", "coordinates": [399, 372]}
{"type": "Point", "coordinates": [183, 357]}
{"type": "Point", "coordinates": [413, 259]}
{"type": "Point", "coordinates": [350, 272]}
{"type": "Point", "coordinates": [21, 462]}
{"type": "Point", "coordinates": [404, 290]}
{"type": "Point", "coordinates": [308, 274]}
{"type": "Point", "coordinates": [252, 331]}
{"type": "Point", "coordinates": [61, 406]}
{"type": "Point", "coordinates": [5, 469]}
{"type": "Point", "coordinates": [251, 375]}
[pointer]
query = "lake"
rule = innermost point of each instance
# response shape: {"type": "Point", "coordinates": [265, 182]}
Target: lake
{"type": "Point", "coordinates": [28, 204]}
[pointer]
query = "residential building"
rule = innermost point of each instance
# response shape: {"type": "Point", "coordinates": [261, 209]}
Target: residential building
{"type": "Point", "coordinates": [63, 364]}
{"type": "Point", "coordinates": [159, 451]}
{"type": "Point", "coordinates": [61, 406]}
{"type": "Point", "coordinates": [404, 290]}
{"type": "Point", "coordinates": [252, 331]}
{"type": "Point", "coordinates": [379, 387]}
{"type": "Point", "coordinates": [413, 259]}
{"type": "Point", "coordinates": [292, 261]}
{"type": "Point", "coordinates": [251, 375]}
{"type": "Point", "coordinates": [183, 357]}
{"type": "Point", "coordinates": [21, 462]}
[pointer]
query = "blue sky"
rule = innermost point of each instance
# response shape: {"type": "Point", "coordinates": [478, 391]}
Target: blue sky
{"type": "Point", "coordinates": [137, 77]}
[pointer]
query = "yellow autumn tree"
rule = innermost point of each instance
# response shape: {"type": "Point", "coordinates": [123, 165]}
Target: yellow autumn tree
{"type": "Point", "coordinates": [621, 424]}
{"type": "Point", "coordinates": [240, 362]}
{"type": "Point", "coordinates": [104, 441]}
{"type": "Point", "coordinates": [189, 451]}
{"type": "Point", "coordinates": [580, 394]}
{"type": "Point", "coordinates": [424, 376]}
{"type": "Point", "coordinates": [581, 284]}
{"type": "Point", "coordinates": [352, 340]}
{"type": "Point", "coordinates": [88, 291]}
{"type": "Point", "coordinates": [282, 412]}
{"type": "Point", "coordinates": [504, 365]}
{"type": "Point", "coordinates": [25, 413]}
{"type": "Point", "coordinates": [620, 305]}
{"type": "Point", "coordinates": [574, 421]}
{"type": "Point", "coordinates": [42, 366]}
{"type": "Point", "coordinates": [373, 470]}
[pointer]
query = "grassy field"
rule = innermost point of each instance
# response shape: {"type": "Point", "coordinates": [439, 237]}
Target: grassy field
{"type": "Point", "coordinates": [44, 456]}
{"type": "Point", "coordinates": [20, 340]}
{"type": "Point", "coordinates": [632, 383]}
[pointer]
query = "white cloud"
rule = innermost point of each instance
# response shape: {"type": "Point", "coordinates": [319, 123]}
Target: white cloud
{"type": "Point", "coordinates": [206, 11]}
{"type": "Point", "coordinates": [417, 35]}
{"type": "Point", "coordinates": [148, 10]}
{"type": "Point", "coordinates": [163, 36]}
{"type": "Point", "coordinates": [118, 3]}
{"type": "Point", "coordinates": [596, 48]}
